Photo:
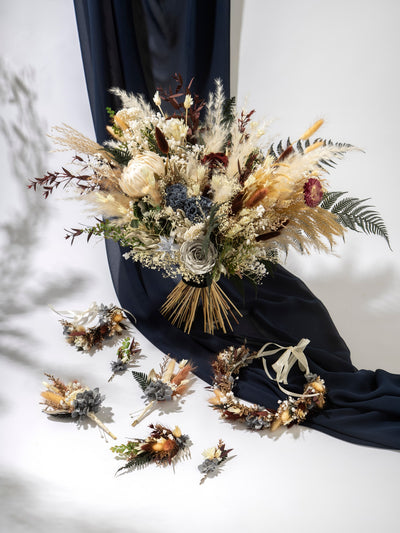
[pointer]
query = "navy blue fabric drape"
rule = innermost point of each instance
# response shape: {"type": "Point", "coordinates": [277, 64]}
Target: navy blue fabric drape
{"type": "Point", "coordinates": [136, 46]}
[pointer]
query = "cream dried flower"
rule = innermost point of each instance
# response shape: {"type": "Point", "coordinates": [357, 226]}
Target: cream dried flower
{"type": "Point", "coordinates": [211, 453]}
{"type": "Point", "coordinates": [175, 129]}
{"type": "Point", "coordinates": [195, 259]}
{"type": "Point", "coordinates": [138, 178]}
{"type": "Point", "coordinates": [157, 99]}
{"type": "Point", "coordinates": [195, 231]}
{"type": "Point", "coordinates": [188, 101]}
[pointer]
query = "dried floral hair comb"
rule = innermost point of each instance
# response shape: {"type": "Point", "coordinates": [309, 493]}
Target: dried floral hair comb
{"type": "Point", "coordinates": [163, 446]}
{"type": "Point", "coordinates": [164, 385]}
{"type": "Point", "coordinates": [111, 321]}
{"type": "Point", "coordinates": [74, 400]}
{"type": "Point", "coordinates": [293, 410]}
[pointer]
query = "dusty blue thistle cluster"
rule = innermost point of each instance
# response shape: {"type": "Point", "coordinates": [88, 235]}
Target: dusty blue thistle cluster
{"type": "Point", "coordinates": [175, 195]}
{"type": "Point", "coordinates": [118, 366]}
{"type": "Point", "coordinates": [87, 401]}
{"type": "Point", "coordinates": [208, 466]}
{"type": "Point", "coordinates": [195, 207]}
{"type": "Point", "coordinates": [158, 390]}
{"type": "Point", "coordinates": [257, 422]}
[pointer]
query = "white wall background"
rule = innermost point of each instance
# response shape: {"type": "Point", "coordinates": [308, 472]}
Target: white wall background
{"type": "Point", "coordinates": [300, 61]}
{"type": "Point", "coordinates": [295, 62]}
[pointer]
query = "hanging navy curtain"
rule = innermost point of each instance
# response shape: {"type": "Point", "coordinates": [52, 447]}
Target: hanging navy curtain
{"type": "Point", "coordinates": [137, 45]}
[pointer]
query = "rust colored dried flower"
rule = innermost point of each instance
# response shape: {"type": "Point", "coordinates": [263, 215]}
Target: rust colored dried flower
{"type": "Point", "coordinates": [313, 192]}
{"type": "Point", "coordinates": [214, 160]}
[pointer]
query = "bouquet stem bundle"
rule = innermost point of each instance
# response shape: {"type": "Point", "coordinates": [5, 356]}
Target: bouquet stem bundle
{"type": "Point", "coordinates": [182, 302]}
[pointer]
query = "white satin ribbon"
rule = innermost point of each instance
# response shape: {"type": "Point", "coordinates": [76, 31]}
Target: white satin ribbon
{"type": "Point", "coordinates": [79, 318]}
{"type": "Point", "coordinates": [284, 364]}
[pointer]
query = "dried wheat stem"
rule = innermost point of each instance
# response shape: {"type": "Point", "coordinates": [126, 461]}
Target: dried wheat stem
{"type": "Point", "coordinates": [181, 306]}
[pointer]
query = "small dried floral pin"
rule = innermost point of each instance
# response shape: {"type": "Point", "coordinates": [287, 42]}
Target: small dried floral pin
{"type": "Point", "coordinates": [164, 385]}
{"type": "Point", "coordinates": [162, 447]}
{"type": "Point", "coordinates": [214, 457]}
{"type": "Point", "coordinates": [73, 400]}
{"type": "Point", "coordinates": [111, 321]}
{"type": "Point", "coordinates": [127, 353]}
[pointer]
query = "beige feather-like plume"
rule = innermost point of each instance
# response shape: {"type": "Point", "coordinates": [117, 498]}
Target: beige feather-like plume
{"type": "Point", "coordinates": [215, 133]}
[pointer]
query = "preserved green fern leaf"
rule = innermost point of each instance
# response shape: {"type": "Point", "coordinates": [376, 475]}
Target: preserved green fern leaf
{"type": "Point", "coordinates": [137, 462]}
{"type": "Point", "coordinates": [330, 198]}
{"type": "Point", "coordinates": [229, 111]}
{"type": "Point", "coordinates": [121, 155]}
{"type": "Point", "coordinates": [352, 213]}
{"type": "Point", "coordinates": [142, 379]}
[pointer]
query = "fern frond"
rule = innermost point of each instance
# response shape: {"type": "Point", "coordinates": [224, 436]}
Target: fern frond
{"type": "Point", "coordinates": [142, 379]}
{"type": "Point", "coordinates": [120, 154]}
{"type": "Point", "coordinates": [330, 198]}
{"type": "Point", "coordinates": [352, 213]}
{"type": "Point", "coordinates": [140, 461]}
{"type": "Point", "coordinates": [229, 112]}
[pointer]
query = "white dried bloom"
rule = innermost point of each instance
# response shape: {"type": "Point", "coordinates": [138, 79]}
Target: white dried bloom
{"type": "Point", "coordinates": [175, 129]}
{"type": "Point", "coordinates": [194, 232]}
{"type": "Point", "coordinates": [138, 178]}
{"type": "Point", "coordinates": [223, 188]}
{"type": "Point", "coordinates": [188, 101]}
{"type": "Point", "coordinates": [195, 259]}
{"type": "Point", "coordinates": [157, 99]}
{"type": "Point", "coordinates": [211, 453]}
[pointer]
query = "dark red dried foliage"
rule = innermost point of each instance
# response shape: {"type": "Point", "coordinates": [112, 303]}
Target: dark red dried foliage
{"type": "Point", "coordinates": [171, 96]}
{"type": "Point", "coordinates": [162, 142]}
{"type": "Point", "coordinates": [215, 160]}
{"type": "Point", "coordinates": [52, 180]}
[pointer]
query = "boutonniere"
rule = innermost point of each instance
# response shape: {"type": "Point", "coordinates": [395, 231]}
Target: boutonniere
{"type": "Point", "coordinates": [213, 459]}
{"type": "Point", "coordinates": [127, 354]}
{"type": "Point", "coordinates": [74, 400]}
{"type": "Point", "coordinates": [165, 385]}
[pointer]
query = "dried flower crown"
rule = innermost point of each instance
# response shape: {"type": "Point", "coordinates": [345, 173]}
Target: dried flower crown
{"type": "Point", "coordinates": [291, 411]}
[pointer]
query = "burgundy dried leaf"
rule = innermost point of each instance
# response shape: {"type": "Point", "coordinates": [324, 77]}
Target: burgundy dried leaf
{"type": "Point", "coordinates": [162, 142]}
{"type": "Point", "coordinates": [285, 153]}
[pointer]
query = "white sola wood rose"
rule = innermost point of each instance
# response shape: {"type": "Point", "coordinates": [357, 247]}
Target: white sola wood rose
{"type": "Point", "coordinates": [195, 259]}
{"type": "Point", "coordinates": [138, 178]}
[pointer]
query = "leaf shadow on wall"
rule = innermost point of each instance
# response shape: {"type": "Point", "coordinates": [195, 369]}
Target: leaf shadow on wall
{"type": "Point", "coordinates": [23, 216]}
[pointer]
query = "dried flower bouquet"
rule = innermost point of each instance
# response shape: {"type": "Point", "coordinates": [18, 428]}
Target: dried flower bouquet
{"type": "Point", "coordinates": [200, 199]}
